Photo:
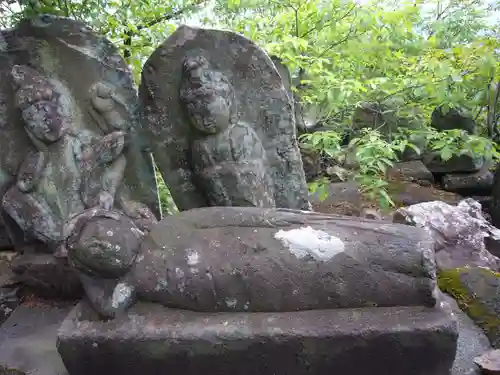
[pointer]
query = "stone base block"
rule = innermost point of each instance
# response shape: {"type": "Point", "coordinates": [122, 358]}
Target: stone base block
{"type": "Point", "coordinates": [154, 340]}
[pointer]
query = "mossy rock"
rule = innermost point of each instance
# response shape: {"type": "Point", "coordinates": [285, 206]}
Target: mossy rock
{"type": "Point", "coordinates": [477, 292]}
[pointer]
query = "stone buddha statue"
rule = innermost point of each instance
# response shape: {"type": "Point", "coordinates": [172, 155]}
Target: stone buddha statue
{"type": "Point", "coordinates": [247, 259]}
{"type": "Point", "coordinates": [228, 159]}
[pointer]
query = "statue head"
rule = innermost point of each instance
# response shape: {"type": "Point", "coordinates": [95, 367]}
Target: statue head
{"type": "Point", "coordinates": [208, 96]}
{"type": "Point", "coordinates": [102, 243]}
{"type": "Point", "coordinates": [39, 102]}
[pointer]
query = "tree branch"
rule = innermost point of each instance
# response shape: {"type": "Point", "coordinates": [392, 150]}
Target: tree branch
{"type": "Point", "coordinates": [348, 13]}
{"type": "Point", "coordinates": [165, 17]}
{"type": "Point", "coordinates": [343, 40]}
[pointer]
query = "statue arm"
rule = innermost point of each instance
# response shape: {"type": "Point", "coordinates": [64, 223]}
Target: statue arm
{"type": "Point", "coordinates": [31, 171]}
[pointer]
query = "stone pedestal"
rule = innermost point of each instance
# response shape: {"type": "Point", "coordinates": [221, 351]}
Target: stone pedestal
{"type": "Point", "coordinates": [152, 340]}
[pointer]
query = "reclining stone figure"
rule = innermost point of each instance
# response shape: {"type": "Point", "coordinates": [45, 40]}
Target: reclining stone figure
{"type": "Point", "coordinates": [239, 259]}
{"type": "Point", "coordinates": [248, 290]}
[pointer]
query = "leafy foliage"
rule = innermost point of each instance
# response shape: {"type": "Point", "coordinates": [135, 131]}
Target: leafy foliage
{"type": "Point", "coordinates": [406, 56]}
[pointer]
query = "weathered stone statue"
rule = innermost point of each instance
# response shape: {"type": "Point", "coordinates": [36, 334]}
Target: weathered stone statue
{"type": "Point", "coordinates": [213, 290]}
{"type": "Point", "coordinates": [49, 188]}
{"type": "Point", "coordinates": [221, 123]}
{"type": "Point", "coordinates": [227, 156]}
{"type": "Point", "coordinates": [70, 138]}
{"type": "Point", "coordinates": [243, 259]}
{"type": "Point", "coordinates": [239, 276]}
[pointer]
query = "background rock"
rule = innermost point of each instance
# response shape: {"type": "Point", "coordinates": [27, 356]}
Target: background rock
{"type": "Point", "coordinates": [476, 291]}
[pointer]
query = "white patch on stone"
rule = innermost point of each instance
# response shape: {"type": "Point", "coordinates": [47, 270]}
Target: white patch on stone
{"type": "Point", "coordinates": [179, 272]}
{"type": "Point", "coordinates": [193, 258]}
{"type": "Point", "coordinates": [231, 302]}
{"type": "Point", "coordinates": [121, 294]}
{"type": "Point", "coordinates": [110, 233]}
{"type": "Point", "coordinates": [137, 232]}
{"type": "Point", "coordinates": [162, 284]}
{"type": "Point", "coordinates": [306, 241]}
{"type": "Point", "coordinates": [181, 285]}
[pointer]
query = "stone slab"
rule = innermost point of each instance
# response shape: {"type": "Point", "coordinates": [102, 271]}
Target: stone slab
{"type": "Point", "coordinates": [153, 340]}
{"type": "Point", "coordinates": [28, 339]}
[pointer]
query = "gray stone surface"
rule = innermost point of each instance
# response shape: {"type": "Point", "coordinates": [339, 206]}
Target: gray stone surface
{"type": "Point", "coordinates": [454, 118]}
{"type": "Point", "coordinates": [471, 341]}
{"type": "Point", "coordinates": [5, 241]}
{"type": "Point", "coordinates": [238, 259]}
{"type": "Point", "coordinates": [47, 276]}
{"type": "Point", "coordinates": [287, 82]}
{"type": "Point", "coordinates": [477, 183]}
{"type": "Point", "coordinates": [489, 362]}
{"type": "Point", "coordinates": [28, 339]}
{"type": "Point", "coordinates": [476, 291]}
{"type": "Point", "coordinates": [156, 340]}
{"type": "Point", "coordinates": [213, 102]}
{"type": "Point", "coordinates": [414, 170]}
{"type": "Point", "coordinates": [456, 164]}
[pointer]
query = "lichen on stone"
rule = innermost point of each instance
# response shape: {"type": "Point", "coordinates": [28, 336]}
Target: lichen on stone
{"type": "Point", "coordinates": [449, 282]}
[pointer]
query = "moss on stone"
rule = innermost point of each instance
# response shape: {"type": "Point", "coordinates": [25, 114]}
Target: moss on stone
{"type": "Point", "coordinates": [449, 282]}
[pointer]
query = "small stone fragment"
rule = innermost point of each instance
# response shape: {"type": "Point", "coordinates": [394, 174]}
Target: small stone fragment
{"type": "Point", "coordinates": [489, 362]}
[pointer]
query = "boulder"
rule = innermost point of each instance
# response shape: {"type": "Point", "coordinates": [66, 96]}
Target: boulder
{"type": "Point", "coordinates": [459, 232]}
{"type": "Point", "coordinates": [476, 183]}
{"type": "Point", "coordinates": [456, 164]}
{"type": "Point", "coordinates": [476, 291]}
{"type": "Point", "coordinates": [489, 362]}
{"type": "Point", "coordinates": [454, 118]}
{"type": "Point", "coordinates": [413, 170]}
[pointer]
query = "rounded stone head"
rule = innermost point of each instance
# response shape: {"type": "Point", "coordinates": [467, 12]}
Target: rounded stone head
{"type": "Point", "coordinates": [103, 243]}
{"type": "Point", "coordinates": [208, 96]}
{"type": "Point", "coordinates": [39, 102]}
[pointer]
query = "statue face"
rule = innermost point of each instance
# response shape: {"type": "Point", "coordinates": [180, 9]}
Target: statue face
{"type": "Point", "coordinates": [208, 96]}
{"type": "Point", "coordinates": [211, 114]}
{"type": "Point", "coordinates": [104, 245]}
